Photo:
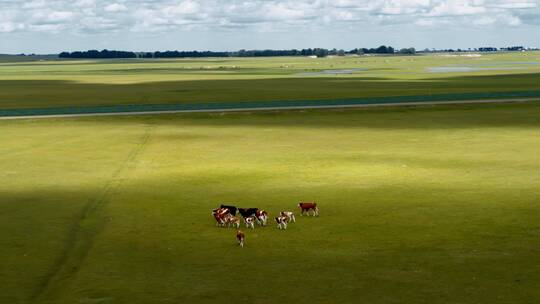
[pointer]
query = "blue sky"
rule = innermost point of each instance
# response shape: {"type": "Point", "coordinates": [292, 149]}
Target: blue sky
{"type": "Point", "coordinates": [49, 26]}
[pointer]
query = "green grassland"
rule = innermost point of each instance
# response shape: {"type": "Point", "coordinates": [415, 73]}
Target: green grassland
{"type": "Point", "coordinates": [418, 205]}
{"type": "Point", "coordinates": [50, 83]}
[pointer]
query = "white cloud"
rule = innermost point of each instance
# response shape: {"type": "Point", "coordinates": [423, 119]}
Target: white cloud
{"type": "Point", "coordinates": [85, 3]}
{"type": "Point", "coordinates": [183, 8]}
{"type": "Point", "coordinates": [35, 4]}
{"type": "Point", "coordinates": [282, 12]}
{"type": "Point", "coordinates": [83, 16]}
{"type": "Point", "coordinates": [457, 8]}
{"type": "Point", "coordinates": [8, 27]}
{"type": "Point", "coordinates": [513, 4]}
{"type": "Point", "coordinates": [398, 7]}
{"type": "Point", "coordinates": [115, 7]}
{"type": "Point", "coordinates": [61, 16]}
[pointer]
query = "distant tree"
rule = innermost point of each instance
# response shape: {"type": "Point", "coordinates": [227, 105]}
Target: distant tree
{"type": "Point", "coordinates": [382, 50]}
{"type": "Point", "coordinates": [320, 52]}
{"type": "Point", "coordinates": [407, 51]}
{"type": "Point", "coordinates": [487, 49]}
{"type": "Point", "coordinates": [94, 54]}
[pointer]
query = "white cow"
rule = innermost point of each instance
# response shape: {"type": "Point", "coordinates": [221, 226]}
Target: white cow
{"type": "Point", "coordinates": [288, 214]}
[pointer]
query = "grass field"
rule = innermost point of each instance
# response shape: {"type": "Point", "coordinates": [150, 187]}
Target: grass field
{"type": "Point", "coordinates": [49, 83]}
{"type": "Point", "coordinates": [418, 205]}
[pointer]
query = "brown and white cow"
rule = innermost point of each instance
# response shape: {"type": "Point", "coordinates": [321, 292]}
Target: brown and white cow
{"type": "Point", "coordinates": [308, 206]}
{"type": "Point", "coordinates": [232, 220]}
{"type": "Point", "coordinates": [250, 222]}
{"type": "Point", "coordinates": [288, 214]}
{"type": "Point", "coordinates": [220, 214]}
{"type": "Point", "coordinates": [282, 222]}
{"type": "Point", "coordinates": [262, 217]}
{"type": "Point", "coordinates": [240, 237]}
{"type": "Point", "coordinates": [220, 211]}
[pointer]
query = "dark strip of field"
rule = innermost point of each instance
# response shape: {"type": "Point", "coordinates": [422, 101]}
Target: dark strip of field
{"type": "Point", "coordinates": [283, 104]}
{"type": "Point", "coordinates": [36, 94]}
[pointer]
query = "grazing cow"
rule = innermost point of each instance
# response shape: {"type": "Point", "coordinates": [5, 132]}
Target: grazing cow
{"type": "Point", "coordinates": [220, 211]}
{"type": "Point", "coordinates": [219, 215]}
{"type": "Point", "coordinates": [232, 209]}
{"type": "Point", "coordinates": [288, 214]}
{"type": "Point", "coordinates": [306, 207]}
{"type": "Point", "coordinates": [262, 217]}
{"type": "Point", "coordinates": [232, 220]}
{"type": "Point", "coordinates": [219, 219]}
{"type": "Point", "coordinates": [240, 237]}
{"type": "Point", "coordinates": [282, 222]}
{"type": "Point", "coordinates": [250, 222]}
{"type": "Point", "coordinates": [247, 212]}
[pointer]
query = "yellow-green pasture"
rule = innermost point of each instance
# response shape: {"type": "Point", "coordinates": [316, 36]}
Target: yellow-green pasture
{"type": "Point", "coordinates": [418, 205]}
{"type": "Point", "coordinates": [49, 83]}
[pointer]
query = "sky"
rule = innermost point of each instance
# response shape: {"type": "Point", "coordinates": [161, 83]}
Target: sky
{"type": "Point", "coordinates": [52, 26]}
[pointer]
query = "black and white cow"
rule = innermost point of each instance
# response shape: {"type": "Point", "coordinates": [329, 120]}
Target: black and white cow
{"type": "Point", "coordinates": [232, 209]}
{"type": "Point", "coordinates": [247, 212]}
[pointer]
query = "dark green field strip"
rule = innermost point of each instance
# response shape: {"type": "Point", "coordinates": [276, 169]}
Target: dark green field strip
{"type": "Point", "coordinates": [266, 104]}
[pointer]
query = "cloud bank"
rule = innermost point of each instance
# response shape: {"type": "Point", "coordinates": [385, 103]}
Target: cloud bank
{"type": "Point", "coordinates": [154, 16]}
{"type": "Point", "coordinates": [48, 26]}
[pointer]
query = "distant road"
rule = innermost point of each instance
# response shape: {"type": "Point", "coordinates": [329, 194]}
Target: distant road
{"type": "Point", "coordinates": [244, 106]}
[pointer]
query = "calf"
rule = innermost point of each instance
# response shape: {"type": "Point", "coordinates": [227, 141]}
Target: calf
{"type": "Point", "coordinates": [232, 209]}
{"type": "Point", "coordinates": [288, 214]}
{"type": "Point", "coordinates": [232, 220]}
{"type": "Point", "coordinates": [250, 222]}
{"type": "Point", "coordinates": [247, 212]}
{"type": "Point", "coordinates": [262, 217]}
{"type": "Point", "coordinates": [306, 207]}
{"type": "Point", "coordinates": [282, 222]}
{"type": "Point", "coordinates": [240, 237]}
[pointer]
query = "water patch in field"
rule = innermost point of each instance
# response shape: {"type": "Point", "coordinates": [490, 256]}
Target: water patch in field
{"type": "Point", "coordinates": [334, 72]}
{"type": "Point", "coordinates": [513, 62]}
{"type": "Point", "coordinates": [466, 69]}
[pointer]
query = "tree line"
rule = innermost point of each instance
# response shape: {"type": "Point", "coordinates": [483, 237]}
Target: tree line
{"type": "Point", "coordinates": [319, 52]}
{"type": "Point", "coordinates": [98, 54]}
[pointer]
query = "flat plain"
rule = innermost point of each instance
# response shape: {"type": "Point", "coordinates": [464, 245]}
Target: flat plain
{"type": "Point", "coordinates": [431, 204]}
{"type": "Point", "coordinates": [418, 205]}
{"type": "Point", "coordinates": [47, 83]}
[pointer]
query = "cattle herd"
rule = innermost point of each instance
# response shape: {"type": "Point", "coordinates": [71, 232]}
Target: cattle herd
{"type": "Point", "coordinates": [225, 216]}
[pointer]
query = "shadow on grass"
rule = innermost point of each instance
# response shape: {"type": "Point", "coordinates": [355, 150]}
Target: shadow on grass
{"type": "Point", "coordinates": [58, 93]}
{"type": "Point", "coordinates": [424, 218]}
{"type": "Point", "coordinates": [440, 117]}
